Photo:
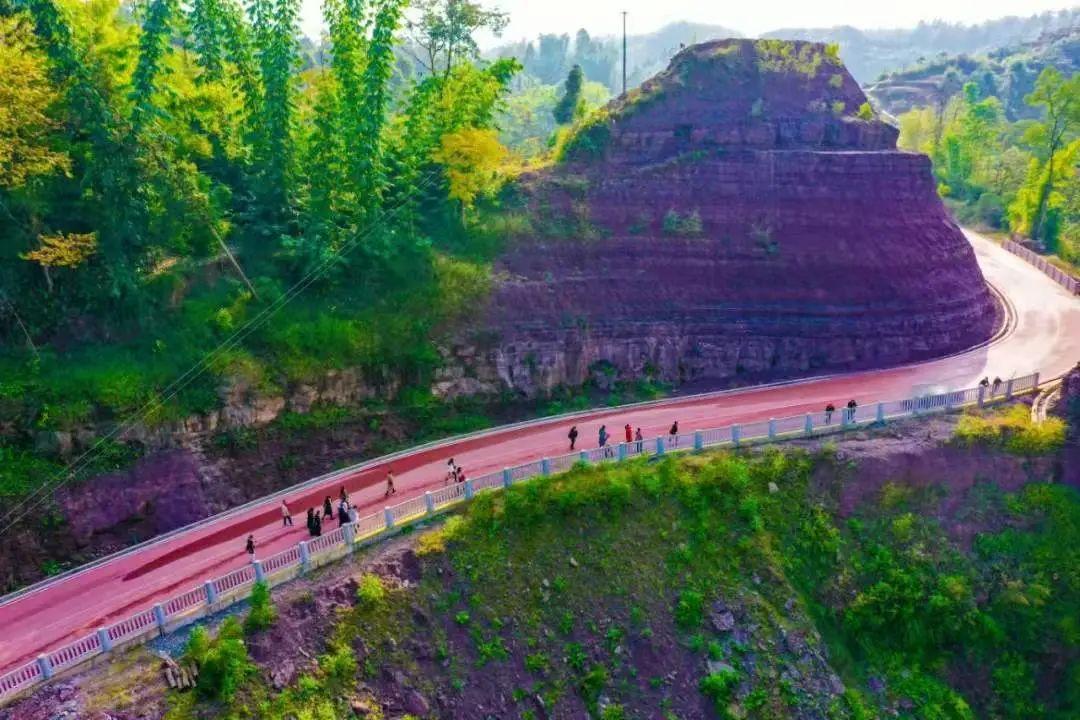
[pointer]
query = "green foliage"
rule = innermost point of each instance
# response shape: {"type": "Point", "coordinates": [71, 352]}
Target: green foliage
{"type": "Point", "coordinates": [682, 225]}
{"type": "Point", "coordinates": [262, 614]}
{"type": "Point", "coordinates": [569, 105]}
{"type": "Point", "coordinates": [370, 592]}
{"type": "Point", "coordinates": [689, 610]}
{"type": "Point", "coordinates": [865, 112]}
{"type": "Point", "coordinates": [589, 139]}
{"type": "Point", "coordinates": [1013, 430]}
{"type": "Point", "coordinates": [719, 687]}
{"type": "Point", "coordinates": [222, 660]}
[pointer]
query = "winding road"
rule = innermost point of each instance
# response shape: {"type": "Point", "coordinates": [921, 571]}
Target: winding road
{"type": "Point", "coordinates": [1044, 336]}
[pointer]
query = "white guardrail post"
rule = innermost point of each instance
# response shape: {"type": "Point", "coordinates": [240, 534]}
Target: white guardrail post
{"type": "Point", "coordinates": [45, 665]}
{"type": "Point", "coordinates": [46, 670]}
{"type": "Point", "coordinates": [583, 456]}
{"type": "Point", "coordinates": [104, 640]}
{"type": "Point", "coordinates": [699, 441]}
{"type": "Point", "coordinates": [507, 477]}
{"type": "Point", "coordinates": [622, 451]}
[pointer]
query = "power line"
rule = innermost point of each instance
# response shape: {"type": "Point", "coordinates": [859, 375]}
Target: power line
{"type": "Point", "coordinates": [39, 496]}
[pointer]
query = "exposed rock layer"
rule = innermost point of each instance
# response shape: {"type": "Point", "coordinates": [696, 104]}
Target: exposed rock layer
{"type": "Point", "coordinates": [737, 218]}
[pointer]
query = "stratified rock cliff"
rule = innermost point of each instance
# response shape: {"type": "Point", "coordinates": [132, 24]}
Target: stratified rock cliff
{"type": "Point", "coordinates": [743, 215]}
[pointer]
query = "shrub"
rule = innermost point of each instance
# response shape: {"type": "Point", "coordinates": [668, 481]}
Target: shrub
{"type": "Point", "coordinates": [688, 225]}
{"type": "Point", "coordinates": [593, 684]}
{"type": "Point", "coordinates": [718, 687]}
{"type": "Point", "coordinates": [263, 613]}
{"type": "Point", "coordinates": [838, 108]}
{"type": "Point", "coordinates": [1012, 430]}
{"type": "Point", "coordinates": [689, 609]}
{"type": "Point", "coordinates": [223, 661]}
{"type": "Point", "coordinates": [370, 592]}
{"type": "Point", "coordinates": [866, 112]}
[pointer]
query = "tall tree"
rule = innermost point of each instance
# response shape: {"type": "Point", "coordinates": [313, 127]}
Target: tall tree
{"type": "Point", "coordinates": [569, 104]}
{"type": "Point", "coordinates": [1060, 99]}
{"type": "Point", "coordinates": [444, 29]}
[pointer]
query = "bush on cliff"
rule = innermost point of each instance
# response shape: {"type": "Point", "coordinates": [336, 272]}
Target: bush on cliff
{"type": "Point", "coordinates": [262, 613]}
{"type": "Point", "coordinates": [223, 661]}
{"type": "Point", "coordinates": [1013, 430]}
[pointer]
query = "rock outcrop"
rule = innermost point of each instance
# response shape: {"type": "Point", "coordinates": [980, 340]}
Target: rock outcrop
{"type": "Point", "coordinates": [743, 215]}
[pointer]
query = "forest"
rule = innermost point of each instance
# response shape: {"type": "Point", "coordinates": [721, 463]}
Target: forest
{"type": "Point", "coordinates": [1017, 176]}
{"type": "Point", "coordinates": [171, 175]}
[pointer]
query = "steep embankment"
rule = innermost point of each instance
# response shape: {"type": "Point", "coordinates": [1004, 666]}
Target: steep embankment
{"type": "Point", "coordinates": [767, 585]}
{"type": "Point", "coordinates": [743, 215]}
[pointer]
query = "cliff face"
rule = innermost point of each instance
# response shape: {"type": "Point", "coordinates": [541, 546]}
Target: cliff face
{"type": "Point", "coordinates": [741, 216]}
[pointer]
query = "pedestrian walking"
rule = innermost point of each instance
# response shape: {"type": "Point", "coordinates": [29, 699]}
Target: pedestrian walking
{"type": "Point", "coordinates": [640, 440]}
{"type": "Point", "coordinates": [250, 547]}
{"type": "Point", "coordinates": [451, 472]}
{"type": "Point", "coordinates": [316, 525]}
{"type": "Point", "coordinates": [353, 514]}
{"type": "Point", "coordinates": [851, 407]}
{"type": "Point", "coordinates": [573, 436]}
{"type": "Point", "coordinates": [390, 489]}
{"type": "Point", "coordinates": [673, 434]}
{"type": "Point", "coordinates": [286, 515]}
{"type": "Point", "coordinates": [311, 521]}
{"type": "Point", "coordinates": [829, 410]}
{"type": "Point", "coordinates": [985, 382]}
{"type": "Point", "coordinates": [327, 507]}
{"type": "Point", "coordinates": [460, 474]}
{"type": "Point", "coordinates": [602, 438]}
{"type": "Point", "coordinates": [343, 495]}
{"type": "Point", "coordinates": [997, 387]}
{"type": "Point", "coordinates": [629, 432]}
{"type": "Point", "coordinates": [343, 512]}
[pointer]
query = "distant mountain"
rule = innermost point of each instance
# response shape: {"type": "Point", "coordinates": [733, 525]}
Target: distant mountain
{"type": "Point", "coordinates": [1008, 73]}
{"type": "Point", "coordinates": [550, 57]}
{"type": "Point", "coordinates": [869, 53]}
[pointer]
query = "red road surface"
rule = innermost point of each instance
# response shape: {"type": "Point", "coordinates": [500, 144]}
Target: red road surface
{"type": "Point", "coordinates": [1046, 337]}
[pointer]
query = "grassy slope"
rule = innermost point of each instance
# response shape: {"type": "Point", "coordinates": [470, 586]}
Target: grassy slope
{"type": "Point", "coordinates": [601, 589]}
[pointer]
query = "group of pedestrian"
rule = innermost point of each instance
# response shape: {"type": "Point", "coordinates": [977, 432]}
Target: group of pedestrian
{"type": "Point", "coordinates": [852, 406]}
{"type": "Point", "coordinates": [454, 473]}
{"type": "Point", "coordinates": [629, 433]}
{"type": "Point", "coordinates": [995, 388]}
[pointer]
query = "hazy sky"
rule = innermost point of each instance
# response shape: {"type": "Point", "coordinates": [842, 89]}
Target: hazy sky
{"type": "Point", "coordinates": [528, 18]}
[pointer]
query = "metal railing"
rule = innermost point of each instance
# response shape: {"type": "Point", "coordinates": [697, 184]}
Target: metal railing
{"type": "Point", "coordinates": [234, 586]}
{"type": "Point", "coordinates": [1055, 273]}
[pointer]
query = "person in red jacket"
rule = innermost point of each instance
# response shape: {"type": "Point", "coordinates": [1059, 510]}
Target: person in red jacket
{"type": "Point", "coordinates": [629, 433]}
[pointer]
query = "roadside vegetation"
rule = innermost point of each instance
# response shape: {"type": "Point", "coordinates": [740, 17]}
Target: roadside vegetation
{"type": "Point", "coordinates": [1012, 429]}
{"type": "Point", "coordinates": [712, 583]}
{"type": "Point", "coordinates": [1020, 176]}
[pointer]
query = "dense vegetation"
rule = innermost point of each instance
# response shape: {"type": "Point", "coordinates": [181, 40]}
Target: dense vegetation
{"type": "Point", "coordinates": [734, 569]}
{"type": "Point", "coordinates": [1020, 176]}
{"type": "Point", "coordinates": [170, 176]}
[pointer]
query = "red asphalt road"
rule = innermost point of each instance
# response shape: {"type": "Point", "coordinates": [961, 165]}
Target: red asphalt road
{"type": "Point", "coordinates": [1046, 338]}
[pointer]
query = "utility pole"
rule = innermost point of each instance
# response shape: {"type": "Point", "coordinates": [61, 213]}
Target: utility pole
{"type": "Point", "coordinates": [624, 52]}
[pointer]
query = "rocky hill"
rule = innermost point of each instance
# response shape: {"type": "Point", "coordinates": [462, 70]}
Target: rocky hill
{"type": "Point", "coordinates": [743, 215]}
{"type": "Point", "coordinates": [1007, 73]}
